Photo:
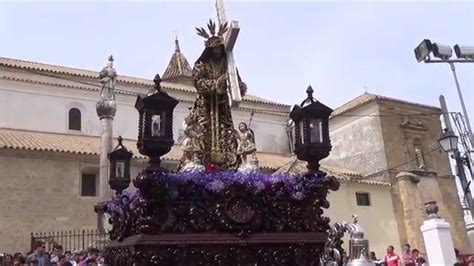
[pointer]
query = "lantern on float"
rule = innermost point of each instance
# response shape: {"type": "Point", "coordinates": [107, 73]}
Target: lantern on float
{"type": "Point", "coordinates": [155, 124]}
{"type": "Point", "coordinates": [312, 142]}
{"type": "Point", "coordinates": [119, 176]}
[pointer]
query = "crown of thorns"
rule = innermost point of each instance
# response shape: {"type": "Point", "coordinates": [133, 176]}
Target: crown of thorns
{"type": "Point", "coordinates": [212, 30]}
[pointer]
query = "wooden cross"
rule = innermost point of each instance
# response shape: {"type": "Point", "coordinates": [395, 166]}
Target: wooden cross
{"type": "Point", "coordinates": [229, 41]}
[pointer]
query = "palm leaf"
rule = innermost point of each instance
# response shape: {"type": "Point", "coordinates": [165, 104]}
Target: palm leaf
{"type": "Point", "coordinates": [202, 32]}
{"type": "Point", "coordinates": [212, 27]}
{"type": "Point", "coordinates": [222, 29]}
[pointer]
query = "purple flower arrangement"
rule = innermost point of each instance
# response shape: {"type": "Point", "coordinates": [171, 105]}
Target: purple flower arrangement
{"type": "Point", "coordinates": [291, 187]}
{"type": "Point", "coordinates": [125, 200]}
{"type": "Point", "coordinates": [295, 187]}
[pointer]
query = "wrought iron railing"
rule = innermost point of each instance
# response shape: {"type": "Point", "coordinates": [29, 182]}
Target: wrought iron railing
{"type": "Point", "coordinates": [72, 240]}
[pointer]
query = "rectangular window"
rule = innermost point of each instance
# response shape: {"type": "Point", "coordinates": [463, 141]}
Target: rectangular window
{"type": "Point", "coordinates": [363, 199]}
{"type": "Point", "coordinates": [88, 188]}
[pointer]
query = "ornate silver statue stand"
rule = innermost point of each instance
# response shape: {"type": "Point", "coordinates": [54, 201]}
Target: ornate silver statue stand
{"type": "Point", "coordinates": [358, 245]}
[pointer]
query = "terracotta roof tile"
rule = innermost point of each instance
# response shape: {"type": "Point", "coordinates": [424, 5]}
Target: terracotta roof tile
{"type": "Point", "coordinates": [42, 68]}
{"type": "Point", "coordinates": [295, 166]}
{"type": "Point", "coordinates": [178, 65]}
{"type": "Point", "coordinates": [90, 145]}
{"type": "Point", "coordinates": [368, 98]}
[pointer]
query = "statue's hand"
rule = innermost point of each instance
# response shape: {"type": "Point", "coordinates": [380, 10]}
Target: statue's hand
{"type": "Point", "coordinates": [221, 84]}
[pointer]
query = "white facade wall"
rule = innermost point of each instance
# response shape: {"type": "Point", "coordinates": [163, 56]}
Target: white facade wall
{"type": "Point", "coordinates": [39, 107]}
{"type": "Point", "coordinates": [357, 137]}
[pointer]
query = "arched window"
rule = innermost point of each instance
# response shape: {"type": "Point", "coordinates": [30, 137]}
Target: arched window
{"type": "Point", "coordinates": [75, 119]}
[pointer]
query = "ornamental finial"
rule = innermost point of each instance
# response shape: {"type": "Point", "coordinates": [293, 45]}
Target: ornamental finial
{"type": "Point", "coordinates": [157, 81]}
{"type": "Point", "coordinates": [431, 209]}
{"type": "Point", "coordinates": [309, 91]}
{"type": "Point", "coordinates": [176, 44]}
{"type": "Point", "coordinates": [309, 99]}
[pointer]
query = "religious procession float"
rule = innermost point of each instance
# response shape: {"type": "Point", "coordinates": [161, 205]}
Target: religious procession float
{"type": "Point", "coordinates": [217, 208]}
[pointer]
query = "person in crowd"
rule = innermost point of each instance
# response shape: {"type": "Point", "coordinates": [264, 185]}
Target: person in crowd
{"type": "Point", "coordinates": [459, 260]}
{"type": "Point", "coordinates": [407, 256]}
{"type": "Point", "coordinates": [57, 251]}
{"type": "Point", "coordinates": [39, 255]}
{"type": "Point", "coordinates": [374, 259]}
{"type": "Point", "coordinates": [79, 256]}
{"type": "Point", "coordinates": [417, 258]}
{"type": "Point", "coordinates": [70, 258]}
{"type": "Point", "coordinates": [391, 258]}
{"type": "Point", "coordinates": [8, 260]}
{"type": "Point", "coordinates": [18, 259]}
{"type": "Point", "coordinates": [62, 261]}
{"type": "Point", "coordinates": [91, 258]}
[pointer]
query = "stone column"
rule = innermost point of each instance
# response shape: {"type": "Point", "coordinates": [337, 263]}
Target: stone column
{"type": "Point", "coordinates": [106, 108]}
{"type": "Point", "coordinates": [437, 236]}
{"type": "Point", "coordinates": [106, 124]}
{"type": "Point", "coordinates": [411, 205]}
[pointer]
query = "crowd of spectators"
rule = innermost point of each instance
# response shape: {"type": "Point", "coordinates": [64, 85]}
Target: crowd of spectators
{"type": "Point", "coordinates": [57, 257]}
{"type": "Point", "coordinates": [92, 257]}
{"type": "Point", "coordinates": [409, 257]}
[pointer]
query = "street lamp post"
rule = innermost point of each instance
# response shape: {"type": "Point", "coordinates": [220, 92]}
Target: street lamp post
{"type": "Point", "coordinates": [449, 143]}
{"type": "Point", "coordinates": [464, 54]}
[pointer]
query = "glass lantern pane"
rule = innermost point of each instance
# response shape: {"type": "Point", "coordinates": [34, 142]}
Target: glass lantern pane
{"type": "Point", "coordinates": [454, 142]}
{"type": "Point", "coordinates": [157, 125]}
{"type": "Point", "coordinates": [316, 131]}
{"type": "Point", "coordinates": [301, 129]}
{"type": "Point", "coordinates": [119, 169]}
{"type": "Point", "coordinates": [445, 143]}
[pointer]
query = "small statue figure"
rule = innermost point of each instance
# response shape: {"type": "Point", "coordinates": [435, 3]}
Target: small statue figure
{"type": "Point", "coordinates": [246, 146]}
{"type": "Point", "coordinates": [191, 144]}
{"type": "Point", "coordinates": [420, 161]}
{"type": "Point", "coordinates": [156, 130]}
{"type": "Point", "coordinates": [108, 77]}
{"type": "Point", "coordinates": [246, 143]}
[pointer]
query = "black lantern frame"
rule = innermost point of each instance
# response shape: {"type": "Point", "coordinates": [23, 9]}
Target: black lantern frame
{"type": "Point", "coordinates": [119, 176]}
{"type": "Point", "coordinates": [155, 124]}
{"type": "Point", "coordinates": [312, 142]}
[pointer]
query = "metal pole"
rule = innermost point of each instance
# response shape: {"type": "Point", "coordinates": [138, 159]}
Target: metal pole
{"type": "Point", "coordinates": [465, 185]}
{"type": "Point", "coordinates": [457, 157]}
{"type": "Point", "coordinates": [444, 112]}
{"type": "Point", "coordinates": [451, 64]}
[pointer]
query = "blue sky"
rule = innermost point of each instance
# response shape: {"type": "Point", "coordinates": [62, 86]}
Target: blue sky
{"type": "Point", "coordinates": [341, 49]}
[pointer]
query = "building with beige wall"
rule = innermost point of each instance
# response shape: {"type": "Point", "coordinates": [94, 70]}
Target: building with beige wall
{"type": "Point", "coordinates": [49, 171]}
{"type": "Point", "coordinates": [396, 141]}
